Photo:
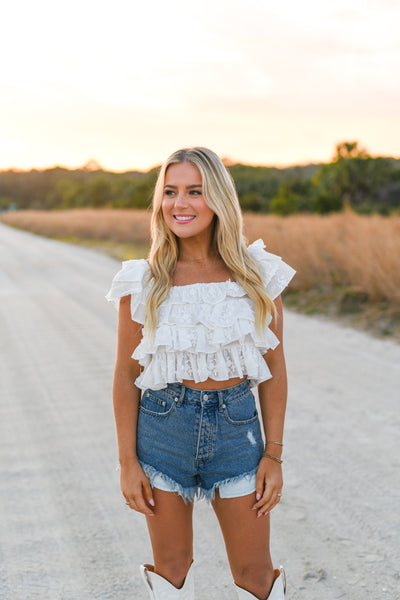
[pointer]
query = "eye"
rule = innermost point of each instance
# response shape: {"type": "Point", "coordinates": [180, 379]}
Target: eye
{"type": "Point", "coordinates": [168, 192]}
{"type": "Point", "coordinates": [195, 192]}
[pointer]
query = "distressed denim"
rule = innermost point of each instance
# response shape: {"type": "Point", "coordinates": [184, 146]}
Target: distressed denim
{"type": "Point", "coordinates": [193, 441]}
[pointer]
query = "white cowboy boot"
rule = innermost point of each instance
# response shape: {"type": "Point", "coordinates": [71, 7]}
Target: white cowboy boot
{"type": "Point", "coordinates": [161, 589]}
{"type": "Point", "coordinates": [278, 589]}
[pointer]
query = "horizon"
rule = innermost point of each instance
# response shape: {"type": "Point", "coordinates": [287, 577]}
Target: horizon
{"type": "Point", "coordinates": [226, 160]}
{"type": "Point", "coordinates": [97, 166]}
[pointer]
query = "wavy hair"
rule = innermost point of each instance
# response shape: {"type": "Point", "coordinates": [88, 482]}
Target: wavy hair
{"type": "Point", "coordinates": [227, 238]}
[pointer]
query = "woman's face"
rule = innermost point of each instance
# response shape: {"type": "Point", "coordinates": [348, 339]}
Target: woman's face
{"type": "Point", "coordinates": [184, 208]}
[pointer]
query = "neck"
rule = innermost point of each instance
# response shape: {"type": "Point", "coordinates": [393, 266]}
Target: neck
{"type": "Point", "coordinates": [194, 250]}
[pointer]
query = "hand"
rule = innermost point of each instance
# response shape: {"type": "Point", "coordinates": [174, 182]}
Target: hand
{"type": "Point", "coordinates": [136, 488]}
{"type": "Point", "coordinates": [269, 484]}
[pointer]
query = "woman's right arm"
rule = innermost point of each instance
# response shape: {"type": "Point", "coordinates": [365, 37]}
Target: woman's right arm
{"type": "Point", "coordinates": [135, 485]}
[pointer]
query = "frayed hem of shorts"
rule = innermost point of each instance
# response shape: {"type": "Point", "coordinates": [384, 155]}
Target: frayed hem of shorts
{"type": "Point", "coordinates": [209, 495]}
{"type": "Point", "coordinates": [191, 493]}
{"type": "Point", "coordinates": [187, 494]}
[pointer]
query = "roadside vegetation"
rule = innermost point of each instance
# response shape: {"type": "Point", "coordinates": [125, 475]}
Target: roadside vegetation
{"type": "Point", "coordinates": [348, 264]}
{"type": "Point", "coordinates": [353, 178]}
{"type": "Point", "coordinates": [337, 224]}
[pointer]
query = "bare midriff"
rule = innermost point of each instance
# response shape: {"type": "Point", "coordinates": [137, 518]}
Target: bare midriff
{"type": "Point", "coordinates": [212, 384]}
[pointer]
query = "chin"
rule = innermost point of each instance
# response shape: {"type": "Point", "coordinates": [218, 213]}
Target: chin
{"type": "Point", "coordinates": [186, 234]}
{"type": "Point", "coordinates": [184, 231]}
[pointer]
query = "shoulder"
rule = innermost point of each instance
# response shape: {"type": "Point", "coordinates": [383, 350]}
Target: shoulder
{"type": "Point", "coordinates": [131, 279]}
{"type": "Point", "coordinates": [275, 273]}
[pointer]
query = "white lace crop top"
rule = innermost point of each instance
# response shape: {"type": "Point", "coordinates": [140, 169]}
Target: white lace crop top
{"type": "Point", "coordinates": [204, 330]}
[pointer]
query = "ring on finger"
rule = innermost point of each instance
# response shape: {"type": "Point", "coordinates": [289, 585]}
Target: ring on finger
{"type": "Point", "coordinates": [280, 495]}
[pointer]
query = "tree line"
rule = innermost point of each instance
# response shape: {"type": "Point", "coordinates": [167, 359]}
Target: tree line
{"type": "Point", "coordinates": [353, 178]}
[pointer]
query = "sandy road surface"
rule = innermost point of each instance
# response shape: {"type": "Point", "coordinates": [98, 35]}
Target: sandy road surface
{"type": "Point", "coordinates": [65, 531]}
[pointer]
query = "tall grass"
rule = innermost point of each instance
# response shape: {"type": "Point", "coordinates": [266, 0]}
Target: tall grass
{"type": "Point", "coordinates": [90, 223]}
{"type": "Point", "coordinates": [342, 249]}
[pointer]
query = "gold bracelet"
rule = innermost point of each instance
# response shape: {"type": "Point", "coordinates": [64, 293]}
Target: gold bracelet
{"type": "Point", "coordinates": [278, 443]}
{"type": "Point", "coordinates": [279, 460]}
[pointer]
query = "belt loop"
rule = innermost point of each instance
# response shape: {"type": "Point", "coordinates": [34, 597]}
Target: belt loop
{"type": "Point", "coordinates": [182, 395]}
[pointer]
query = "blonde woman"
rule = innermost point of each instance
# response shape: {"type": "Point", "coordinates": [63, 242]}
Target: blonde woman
{"type": "Point", "coordinates": [193, 340]}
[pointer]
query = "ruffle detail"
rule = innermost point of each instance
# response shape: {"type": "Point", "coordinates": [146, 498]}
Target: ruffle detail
{"type": "Point", "coordinates": [234, 360]}
{"type": "Point", "coordinates": [200, 338]}
{"type": "Point", "coordinates": [208, 293]}
{"type": "Point", "coordinates": [204, 324]}
{"type": "Point", "coordinates": [131, 280]}
{"type": "Point", "coordinates": [275, 273]}
{"type": "Point", "coordinates": [205, 330]}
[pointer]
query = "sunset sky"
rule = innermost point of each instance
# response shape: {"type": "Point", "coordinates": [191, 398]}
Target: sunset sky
{"type": "Point", "coordinates": [127, 83]}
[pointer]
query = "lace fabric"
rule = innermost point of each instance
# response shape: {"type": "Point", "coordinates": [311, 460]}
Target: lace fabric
{"type": "Point", "coordinates": [205, 330]}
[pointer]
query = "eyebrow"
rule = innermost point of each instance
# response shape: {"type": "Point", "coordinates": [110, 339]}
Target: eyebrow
{"type": "Point", "coordinates": [188, 187]}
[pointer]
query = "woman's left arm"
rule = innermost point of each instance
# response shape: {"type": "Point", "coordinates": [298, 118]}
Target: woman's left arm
{"type": "Point", "coordinates": [272, 395]}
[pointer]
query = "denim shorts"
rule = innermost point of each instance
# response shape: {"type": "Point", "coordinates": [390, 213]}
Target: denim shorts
{"type": "Point", "coordinates": [193, 441]}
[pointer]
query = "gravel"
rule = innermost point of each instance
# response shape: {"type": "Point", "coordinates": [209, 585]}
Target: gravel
{"type": "Point", "coordinates": [66, 533]}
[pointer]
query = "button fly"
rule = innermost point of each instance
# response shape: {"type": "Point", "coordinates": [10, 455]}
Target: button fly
{"type": "Point", "coordinates": [205, 397]}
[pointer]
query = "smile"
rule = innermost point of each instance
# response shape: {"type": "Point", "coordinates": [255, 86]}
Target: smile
{"type": "Point", "coordinates": [183, 219]}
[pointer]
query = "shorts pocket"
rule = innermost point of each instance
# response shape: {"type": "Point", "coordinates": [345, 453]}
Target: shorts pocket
{"type": "Point", "coordinates": [157, 404]}
{"type": "Point", "coordinates": [241, 411]}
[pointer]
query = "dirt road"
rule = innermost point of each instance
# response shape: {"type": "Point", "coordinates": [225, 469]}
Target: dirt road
{"type": "Point", "coordinates": [65, 531]}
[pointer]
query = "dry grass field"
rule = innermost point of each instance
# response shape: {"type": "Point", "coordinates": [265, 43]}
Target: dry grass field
{"type": "Point", "coordinates": [348, 265]}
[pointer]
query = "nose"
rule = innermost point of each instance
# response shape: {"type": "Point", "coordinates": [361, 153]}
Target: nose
{"type": "Point", "coordinates": [181, 199]}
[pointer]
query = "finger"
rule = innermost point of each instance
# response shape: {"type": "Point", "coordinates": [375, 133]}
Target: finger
{"type": "Point", "coordinates": [131, 504]}
{"type": "Point", "coordinates": [141, 505]}
{"type": "Point", "coordinates": [265, 498]}
{"type": "Point", "coordinates": [268, 499]}
{"type": "Point", "coordinates": [148, 492]}
{"type": "Point", "coordinates": [136, 502]}
{"type": "Point", "coordinates": [138, 508]}
{"type": "Point", "coordinates": [260, 485]}
{"type": "Point", "coordinates": [268, 506]}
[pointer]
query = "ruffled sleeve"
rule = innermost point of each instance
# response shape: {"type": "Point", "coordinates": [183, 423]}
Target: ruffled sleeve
{"type": "Point", "coordinates": [275, 272]}
{"type": "Point", "coordinates": [131, 280]}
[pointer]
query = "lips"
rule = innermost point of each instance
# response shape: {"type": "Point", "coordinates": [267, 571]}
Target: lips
{"type": "Point", "coordinates": [183, 218]}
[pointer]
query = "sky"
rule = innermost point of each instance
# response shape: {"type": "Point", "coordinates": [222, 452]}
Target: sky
{"type": "Point", "coordinates": [126, 83]}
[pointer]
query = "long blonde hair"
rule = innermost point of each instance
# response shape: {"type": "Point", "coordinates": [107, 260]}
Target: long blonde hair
{"type": "Point", "coordinates": [227, 239]}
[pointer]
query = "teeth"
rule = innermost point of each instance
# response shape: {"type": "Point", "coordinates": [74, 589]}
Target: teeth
{"type": "Point", "coordinates": [183, 218]}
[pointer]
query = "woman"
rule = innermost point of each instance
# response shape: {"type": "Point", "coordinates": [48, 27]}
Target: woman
{"type": "Point", "coordinates": [193, 339]}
